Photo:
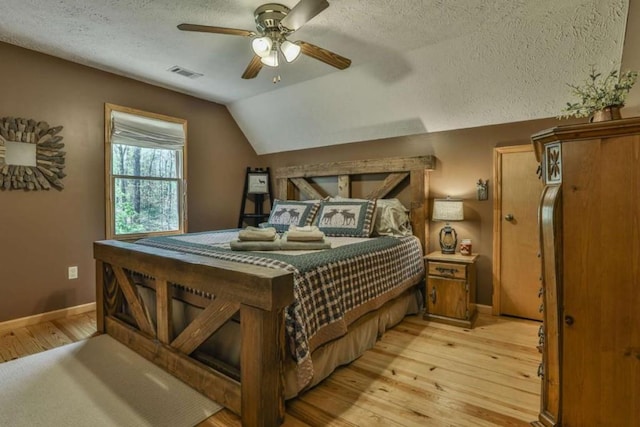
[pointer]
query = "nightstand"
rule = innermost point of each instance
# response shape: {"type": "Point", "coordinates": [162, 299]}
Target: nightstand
{"type": "Point", "coordinates": [451, 288]}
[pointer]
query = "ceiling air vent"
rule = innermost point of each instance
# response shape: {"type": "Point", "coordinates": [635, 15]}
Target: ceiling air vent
{"type": "Point", "coordinates": [184, 72]}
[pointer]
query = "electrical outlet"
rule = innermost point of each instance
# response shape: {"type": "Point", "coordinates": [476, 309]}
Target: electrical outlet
{"type": "Point", "coordinates": [73, 272]}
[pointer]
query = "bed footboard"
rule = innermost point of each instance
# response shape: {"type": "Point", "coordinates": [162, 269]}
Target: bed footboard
{"type": "Point", "coordinates": [260, 295]}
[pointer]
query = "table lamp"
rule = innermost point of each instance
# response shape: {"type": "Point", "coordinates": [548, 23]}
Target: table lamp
{"type": "Point", "coordinates": [448, 210]}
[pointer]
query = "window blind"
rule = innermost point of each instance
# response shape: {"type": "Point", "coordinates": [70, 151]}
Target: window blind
{"type": "Point", "coordinates": [130, 129]}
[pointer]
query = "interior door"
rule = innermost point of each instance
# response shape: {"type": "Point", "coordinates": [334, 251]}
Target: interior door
{"type": "Point", "coordinates": [517, 266]}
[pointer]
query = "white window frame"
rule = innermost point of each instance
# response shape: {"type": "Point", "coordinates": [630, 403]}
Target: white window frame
{"type": "Point", "coordinates": [110, 177]}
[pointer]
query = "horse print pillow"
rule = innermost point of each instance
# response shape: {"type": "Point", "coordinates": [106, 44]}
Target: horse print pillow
{"type": "Point", "coordinates": [287, 212]}
{"type": "Point", "coordinates": [349, 218]}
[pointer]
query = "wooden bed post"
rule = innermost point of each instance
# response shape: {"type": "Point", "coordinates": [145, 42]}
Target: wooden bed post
{"type": "Point", "coordinates": [419, 206]}
{"type": "Point", "coordinates": [100, 296]}
{"type": "Point", "coordinates": [282, 190]}
{"type": "Point", "coordinates": [261, 369]}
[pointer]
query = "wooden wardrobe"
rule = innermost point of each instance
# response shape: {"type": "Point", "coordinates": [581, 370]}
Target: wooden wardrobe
{"type": "Point", "coordinates": [590, 239]}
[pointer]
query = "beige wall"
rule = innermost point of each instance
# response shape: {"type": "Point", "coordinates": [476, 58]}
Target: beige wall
{"type": "Point", "coordinates": [463, 157]}
{"type": "Point", "coordinates": [44, 232]}
{"type": "Point", "coordinates": [631, 57]}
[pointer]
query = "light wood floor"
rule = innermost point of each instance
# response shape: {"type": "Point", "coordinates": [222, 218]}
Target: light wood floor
{"type": "Point", "coordinates": [419, 374]}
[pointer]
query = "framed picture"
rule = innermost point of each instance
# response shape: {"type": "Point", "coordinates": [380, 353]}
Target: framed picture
{"type": "Point", "coordinates": [258, 183]}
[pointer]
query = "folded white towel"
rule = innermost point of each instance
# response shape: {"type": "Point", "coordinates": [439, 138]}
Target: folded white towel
{"type": "Point", "coordinates": [307, 233]}
{"type": "Point", "coordinates": [257, 234]}
{"type": "Point", "coordinates": [255, 245]}
{"type": "Point", "coordinates": [303, 228]}
{"type": "Point", "coordinates": [292, 245]}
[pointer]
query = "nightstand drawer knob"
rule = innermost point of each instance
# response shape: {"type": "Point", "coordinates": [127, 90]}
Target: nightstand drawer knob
{"type": "Point", "coordinates": [432, 294]}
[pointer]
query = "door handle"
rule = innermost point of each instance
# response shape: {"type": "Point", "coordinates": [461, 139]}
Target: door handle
{"type": "Point", "coordinates": [432, 294]}
{"type": "Point", "coordinates": [508, 217]}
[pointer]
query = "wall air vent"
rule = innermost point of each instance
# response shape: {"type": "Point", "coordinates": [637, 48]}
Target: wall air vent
{"type": "Point", "coordinates": [184, 72]}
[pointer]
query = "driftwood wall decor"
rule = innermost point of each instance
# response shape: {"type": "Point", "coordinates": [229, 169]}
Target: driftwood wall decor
{"type": "Point", "coordinates": [49, 157]}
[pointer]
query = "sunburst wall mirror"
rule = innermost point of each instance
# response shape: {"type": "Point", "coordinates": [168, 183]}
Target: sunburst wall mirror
{"type": "Point", "coordinates": [31, 155]}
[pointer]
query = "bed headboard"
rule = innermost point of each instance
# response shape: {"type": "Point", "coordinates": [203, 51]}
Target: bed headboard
{"type": "Point", "coordinates": [292, 179]}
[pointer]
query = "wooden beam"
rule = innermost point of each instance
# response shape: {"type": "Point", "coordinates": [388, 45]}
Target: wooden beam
{"type": "Point", "coordinates": [201, 328]}
{"type": "Point", "coordinates": [344, 186]}
{"type": "Point", "coordinates": [214, 385]}
{"type": "Point", "coordinates": [112, 293]}
{"type": "Point", "coordinates": [135, 304]}
{"type": "Point", "coordinates": [164, 311]}
{"type": "Point", "coordinates": [281, 189]}
{"type": "Point", "coordinates": [419, 215]}
{"type": "Point", "coordinates": [291, 190]}
{"type": "Point", "coordinates": [306, 188]}
{"type": "Point", "coordinates": [261, 287]}
{"type": "Point", "coordinates": [390, 182]}
{"type": "Point", "coordinates": [388, 165]}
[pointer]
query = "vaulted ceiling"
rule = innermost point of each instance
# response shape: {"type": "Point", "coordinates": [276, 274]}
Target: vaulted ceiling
{"type": "Point", "coordinates": [417, 65]}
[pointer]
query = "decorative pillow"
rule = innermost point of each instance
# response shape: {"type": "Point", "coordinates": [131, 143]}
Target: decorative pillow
{"type": "Point", "coordinates": [287, 212]}
{"type": "Point", "coordinates": [348, 218]}
{"type": "Point", "coordinates": [391, 219]}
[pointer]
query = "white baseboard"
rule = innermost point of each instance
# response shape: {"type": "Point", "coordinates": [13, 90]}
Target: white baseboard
{"type": "Point", "coordinates": [484, 309]}
{"type": "Point", "coordinates": [47, 317]}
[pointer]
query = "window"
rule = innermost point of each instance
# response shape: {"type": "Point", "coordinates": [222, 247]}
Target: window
{"type": "Point", "coordinates": [144, 173]}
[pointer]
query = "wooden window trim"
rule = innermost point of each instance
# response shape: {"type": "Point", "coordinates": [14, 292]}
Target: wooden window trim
{"type": "Point", "coordinates": [108, 176]}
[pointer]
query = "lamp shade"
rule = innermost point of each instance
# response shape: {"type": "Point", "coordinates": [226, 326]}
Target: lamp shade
{"type": "Point", "coordinates": [290, 50]}
{"type": "Point", "coordinates": [271, 60]}
{"type": "Point", "coordinates": [262, 46]}
{"type": "Point", "coordinates": [447, 210]}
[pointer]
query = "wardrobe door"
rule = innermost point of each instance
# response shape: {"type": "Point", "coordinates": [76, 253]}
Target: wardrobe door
{"type": "Point", "coordinates": [601, 255]}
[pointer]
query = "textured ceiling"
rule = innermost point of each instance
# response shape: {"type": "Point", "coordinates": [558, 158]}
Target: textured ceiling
{"type": "Point", "coordinates": [418, 65]}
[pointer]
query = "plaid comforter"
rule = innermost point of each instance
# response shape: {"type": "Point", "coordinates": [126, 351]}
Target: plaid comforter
{"type": "Point", "coordinates": [332, 288]}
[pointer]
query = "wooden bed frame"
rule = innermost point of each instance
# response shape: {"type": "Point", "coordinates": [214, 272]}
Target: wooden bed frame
{"type": "Point", "coordinates": [260, 295]}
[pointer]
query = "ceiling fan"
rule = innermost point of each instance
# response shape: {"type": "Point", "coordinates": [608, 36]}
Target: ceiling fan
{"type": "Point", "coordinates": [274, 23]}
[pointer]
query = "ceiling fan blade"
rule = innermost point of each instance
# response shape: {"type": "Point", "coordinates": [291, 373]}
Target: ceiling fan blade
{"type": "Point", "coordinates": [302, 13]}
{"type": "Point", "coordinates": [253, 68]}
{"type": "Point", "coordinates": [324, 55]}
{"type": "Point", "coordinates": [217, 30]}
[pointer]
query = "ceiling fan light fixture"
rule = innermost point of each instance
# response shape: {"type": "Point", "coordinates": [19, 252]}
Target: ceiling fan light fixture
{"type": "Point", "coordinates": [290, 50]}
{"type": "Point", "coordinates": [262, 46]}
{"type": "Point", "coordinates": [271, 60]}
{"type": "Point", "coordinates": [274, 23]}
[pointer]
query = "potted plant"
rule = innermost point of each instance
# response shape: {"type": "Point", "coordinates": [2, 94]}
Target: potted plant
{"type": "Point", "coordinates": [601, 96]}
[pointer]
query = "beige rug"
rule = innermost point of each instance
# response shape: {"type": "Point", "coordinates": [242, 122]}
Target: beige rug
{"type": "Point", "coordinates": [96, 382]}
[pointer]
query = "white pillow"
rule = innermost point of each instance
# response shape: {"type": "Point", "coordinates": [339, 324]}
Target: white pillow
{"type": "Point", "coordinates": [391, 219]}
